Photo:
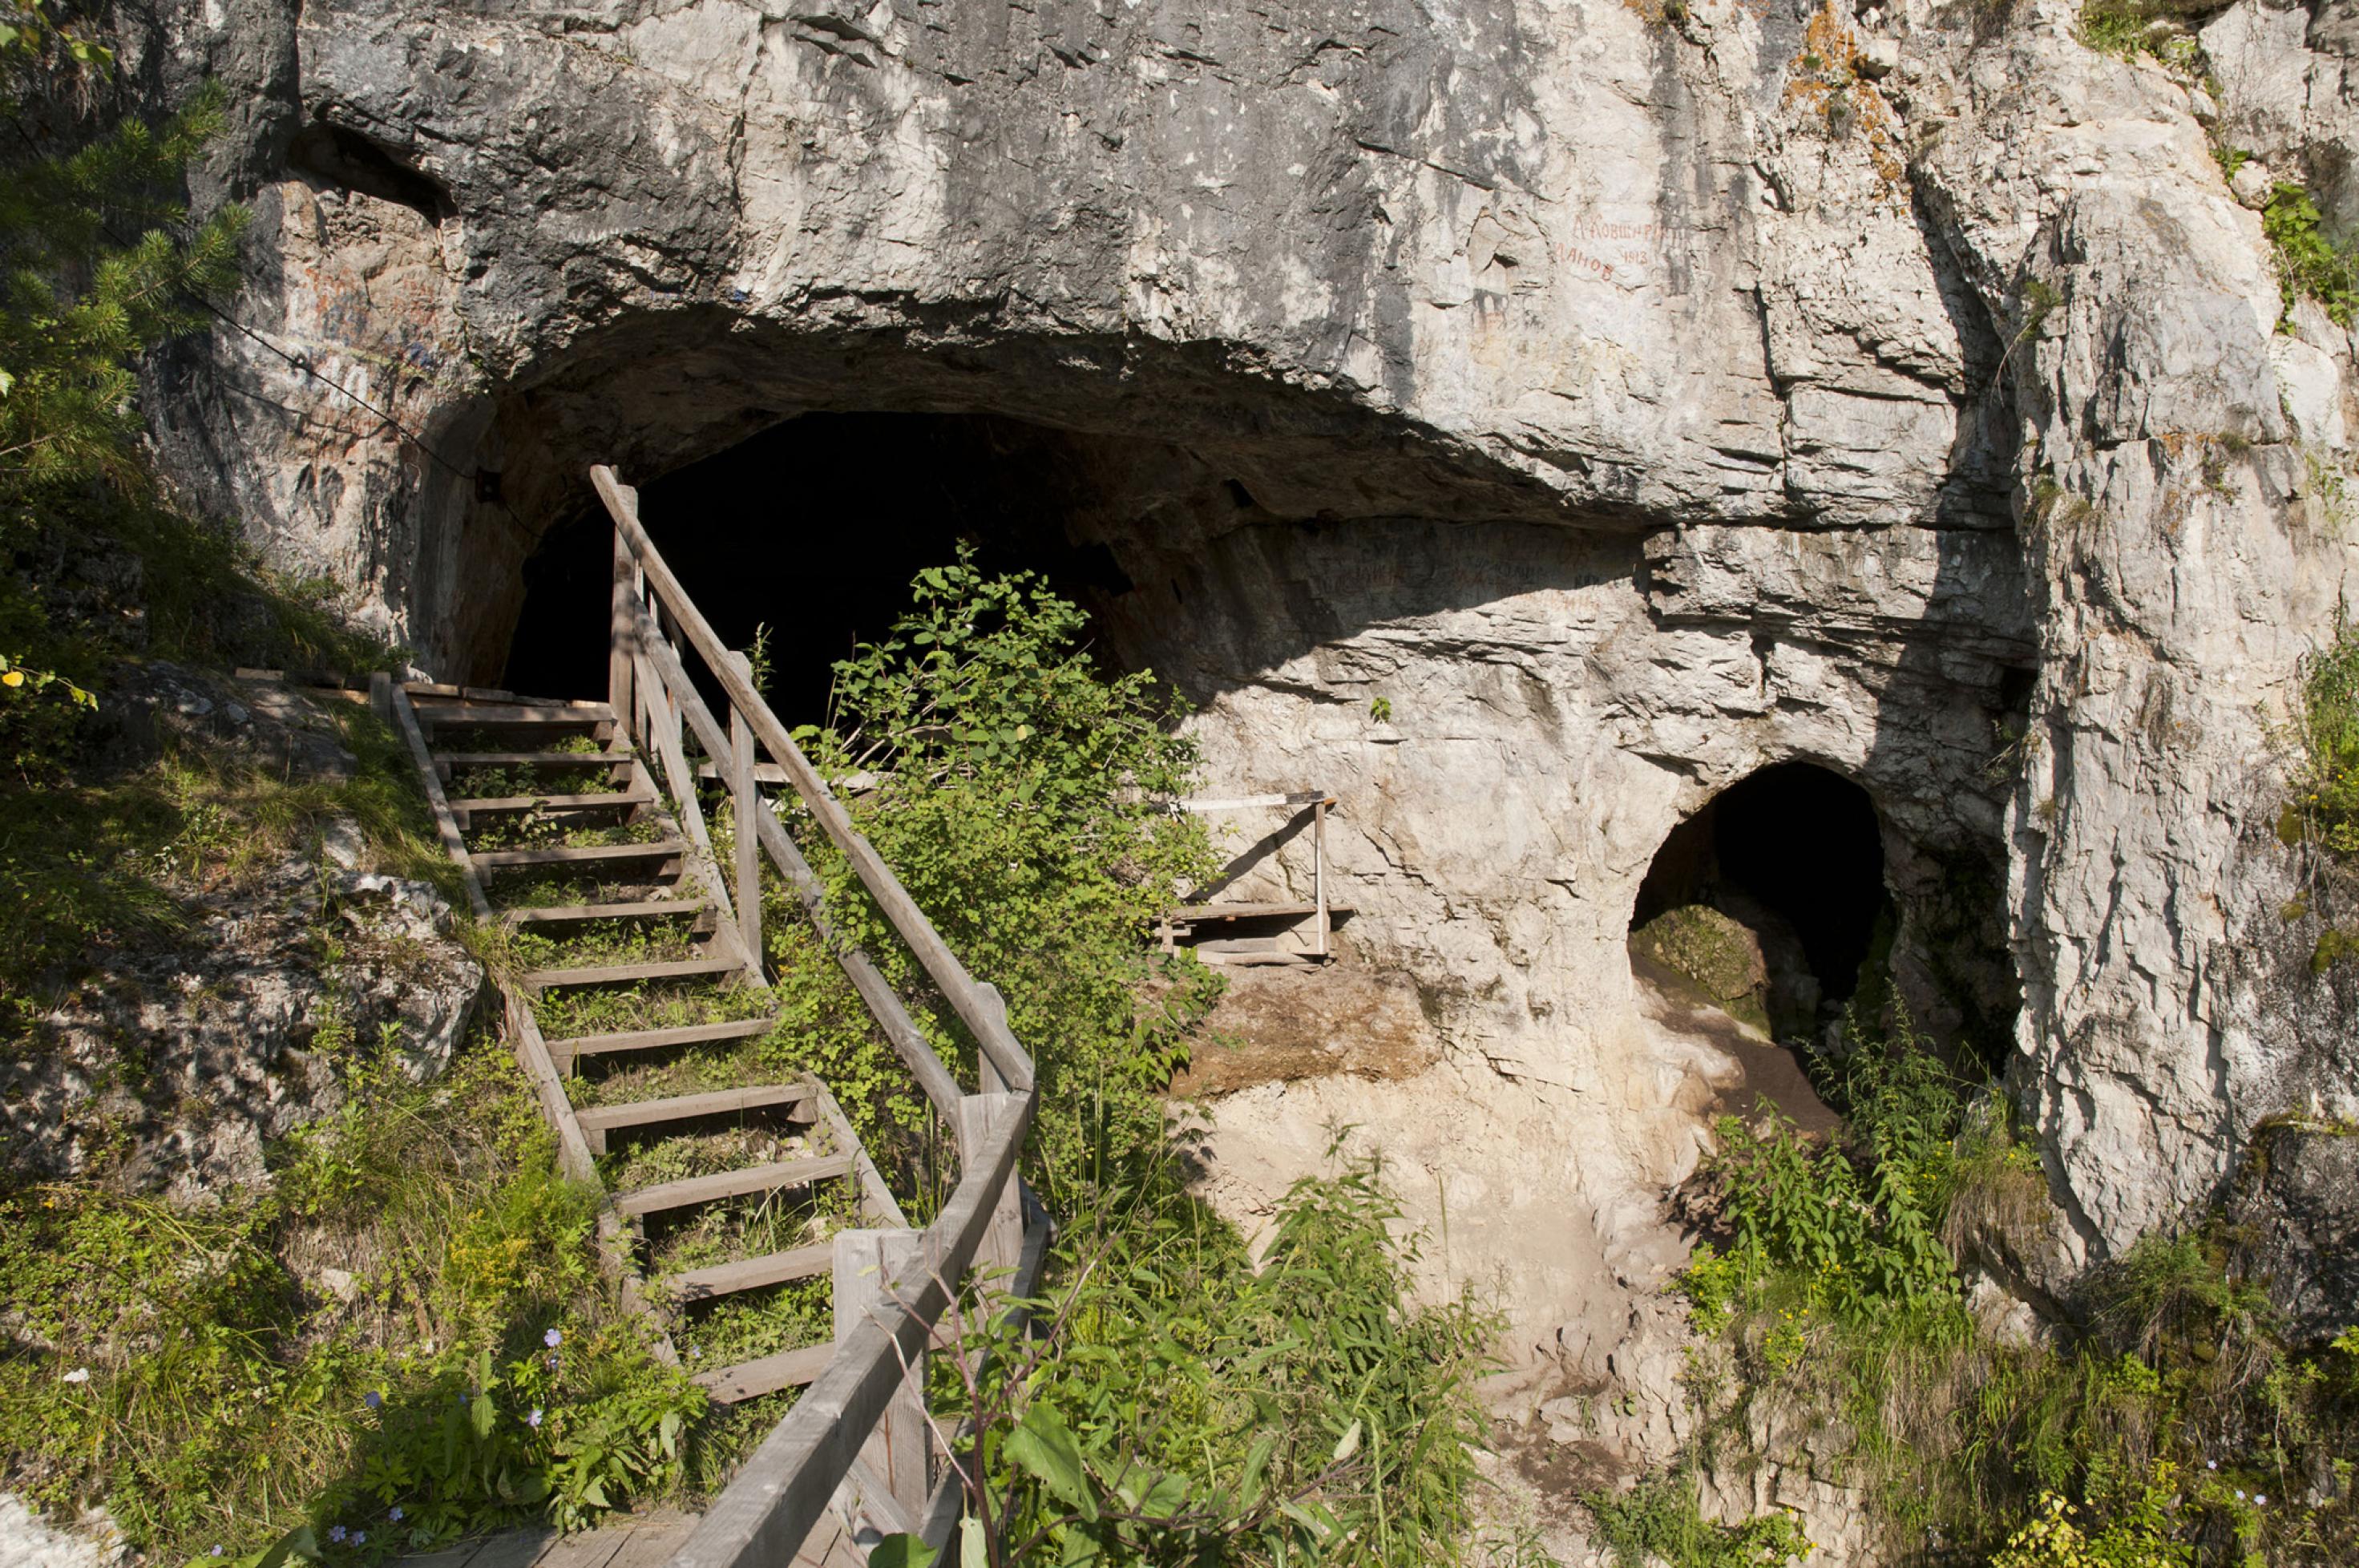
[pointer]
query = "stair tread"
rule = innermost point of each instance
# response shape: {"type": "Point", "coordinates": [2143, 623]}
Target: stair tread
{"type": "Point", "coordinates": [572, 914]}
{"type": "Point", "coordinates": [496, 803]}
{"type": "Point", "coordinates": [558, 854]}
{"type": "Point", "coordinates": [752, 1273]}
{"type": "Point", "coordinates": [683, 1107]}
{"type": "Point", "coordinates": [1199, 914]}
{"type": "Point", "coordinates": [532, 758]}
{"type": "Point", "coordinates": [767, 1375]}
{"type": "Point", "coordinates": [655, 1038]}
{"type": "Point", "coordinates": [448, 710]}
{"type": "Point", "coordinates": [620, 973]}
{"type": "Point", "coordinates": [731, 1184]}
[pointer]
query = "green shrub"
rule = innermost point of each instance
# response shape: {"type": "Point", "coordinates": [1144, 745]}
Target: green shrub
{"type": "Point", "coordinates": [190, 1371]}
{"type": "Point", "coordinates": [2325, 735]}
{"type": "Point", "coordinates": [1658, 1519]}
{"type": "Point", "coordinates": [2308, 263]}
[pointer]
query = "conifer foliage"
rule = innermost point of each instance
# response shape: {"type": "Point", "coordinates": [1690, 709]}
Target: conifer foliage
{"type": "Point", "coordinates": [99, 261]}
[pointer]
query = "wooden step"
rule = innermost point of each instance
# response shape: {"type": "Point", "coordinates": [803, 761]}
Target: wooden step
{"type": "Point", "coordinates": [572, 854]}
{"type": "Point", "coordinates": [448, 760]}
{"type": "Point", "coordinates": [563, 1051]}
{"type": "Point", "coordinates": [628, 973]}
{"type": "Point", "coordinates": [597, 1121]}
{"type": "Point", "coordinates": [578, 914]}
{"type": "Point", "coordinates": [752, 1380]}
{"type": "Point", "coordinates": [751, 1273]}
{"type": "Point", "coordinates": [497, 805]}
{"type": "Point", "coordinates": [731, 1184]}
{"type": "Point", "coordinates": [442, 710]}
{"type": "Point", "coordinates": [1206, 914]}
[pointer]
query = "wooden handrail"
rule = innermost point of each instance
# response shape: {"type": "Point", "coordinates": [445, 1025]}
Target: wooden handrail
{"type": "Point", "coordinates": [978, 1007]}
{"type": "Point", "coordinates": [798, 1468]}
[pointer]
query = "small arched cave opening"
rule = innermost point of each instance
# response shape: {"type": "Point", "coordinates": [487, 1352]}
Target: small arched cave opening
{"type": "Point", "coordinates": [808, 535]}
{"type": "Point", "coordinates": [1772, 900]}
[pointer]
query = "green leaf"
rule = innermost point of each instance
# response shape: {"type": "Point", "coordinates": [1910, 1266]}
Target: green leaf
{"type": "Point", "coordinates": [902, 1552]}
{"type": "Point", "coordinates": [973, 1551]}
{"type": "Point", "coordinates": [1044, 1446]}
{"type": "Point", "coordinates": [1349, 1443]}
{"type": "Point", "coordinates": [299, 1542]}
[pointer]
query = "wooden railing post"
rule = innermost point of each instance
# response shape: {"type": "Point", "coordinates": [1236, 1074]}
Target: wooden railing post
{"type": "Point", "coordinates": [747, 837]}
{"type": "Point", "coordinates": [1318, 866]}
{"type": "Point", "coordinates": [898, 1449]}
{"type": "Point", "coordinates": [622, 632]}
{"type": "Point", "coordinates": [1002, 1242]}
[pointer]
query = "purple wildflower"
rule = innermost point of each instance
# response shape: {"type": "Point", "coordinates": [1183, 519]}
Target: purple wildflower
{"type": "Point", "coordinates": [395, 1515]}
{"type": "Point", "coordinates": [336, 1534]}
{"type": "Point", "coordinates": [217, 1550]}
{"type": "Point", "coordinates": [534, 1420]}
{"type": "Point", "coordinates": [2260, 1499]}
{"type": "Point", "coordinates": [552, 1339]}
{"type": "Point", "coordinates": [373, 1399]}
{"type": "Point", "coordinates": [360, 1538]}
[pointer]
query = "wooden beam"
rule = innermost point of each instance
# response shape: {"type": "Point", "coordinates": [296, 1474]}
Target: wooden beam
{"type": "Point", "coordinates": [751, 1273]}
{"type": "Point", "coordinates": [629, 974]}
{"type": "Point", "coordinates": [746, 801]}
{"type": "Point", "coordinates": [898, 1447]}
{"type": "Point", "coordinates": [693, 1189]}
{"type": "Point", "coordinates": [751, 1379]}
{"type": "Point", "coordinates": [454, 842]}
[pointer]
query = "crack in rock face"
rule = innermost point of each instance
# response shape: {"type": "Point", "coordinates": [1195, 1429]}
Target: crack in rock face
{"type": "Point", "coordinates": [1525, 421]}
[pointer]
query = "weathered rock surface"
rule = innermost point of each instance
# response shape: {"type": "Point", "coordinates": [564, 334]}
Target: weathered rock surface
{"type": "Point", "coordinates": [170, 1064]}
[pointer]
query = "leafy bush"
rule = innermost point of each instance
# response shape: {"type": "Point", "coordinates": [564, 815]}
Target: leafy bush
{"type": "Point", "coordinates": [1021, 796]}
{"type": "Point", "coordinates": [2325, 735]}
{"type": "Point", "coordinates": [2308, 263]}
{"type": "Point", "coordinates": [1658, 1519]}
{"type": "Point", "coordinates": [1178, 1406]}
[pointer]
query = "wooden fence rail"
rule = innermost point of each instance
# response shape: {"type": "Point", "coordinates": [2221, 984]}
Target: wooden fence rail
{"type": "Point", "coordinates": [794, 1497]}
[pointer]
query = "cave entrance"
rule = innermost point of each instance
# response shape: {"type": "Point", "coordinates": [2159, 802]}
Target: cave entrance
{"type": "Point", "coordinates": [814, 529]}
{"type": "Point", "coordinates": [1772, 898]}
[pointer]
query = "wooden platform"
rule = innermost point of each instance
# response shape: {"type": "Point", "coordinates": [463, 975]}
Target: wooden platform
{"type": "Point", "coordinates": [644, 1541]}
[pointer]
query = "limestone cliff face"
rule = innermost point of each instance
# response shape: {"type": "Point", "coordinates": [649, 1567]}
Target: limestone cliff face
{"type": "Point", "coordinates": [1631, 396]}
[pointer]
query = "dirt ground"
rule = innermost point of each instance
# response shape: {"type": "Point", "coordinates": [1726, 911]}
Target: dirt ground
{"type": "Point", "coordinates": [1278, 1025]}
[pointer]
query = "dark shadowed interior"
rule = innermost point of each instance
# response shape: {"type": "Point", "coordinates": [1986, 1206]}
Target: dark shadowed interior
{"type": "Point", "coordinates": [814, 529]}
{"type": "Point", "coordinates": [1795, 838]}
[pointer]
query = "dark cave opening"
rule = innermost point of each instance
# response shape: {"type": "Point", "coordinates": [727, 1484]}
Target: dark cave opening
{"type": "Point", "coordinates": [814, 529]}
{"type": "Point", "coordinates": [1794, 852]}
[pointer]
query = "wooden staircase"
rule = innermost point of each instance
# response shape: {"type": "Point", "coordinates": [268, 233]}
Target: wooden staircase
{"type": "Point", "coordinates": [581, 829]}
{"type": "Point", "coordinates": [644, 914]}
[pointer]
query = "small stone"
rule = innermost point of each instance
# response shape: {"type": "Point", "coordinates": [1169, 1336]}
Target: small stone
{"type": "Point", "coordinates": [338, 1283]}
{"type": "Point", "coordinates": [2252, 185]}
{"type": "Point", "coordinates": [342, 844]}
{"type": "Point", "coordinates": [1879, 58]}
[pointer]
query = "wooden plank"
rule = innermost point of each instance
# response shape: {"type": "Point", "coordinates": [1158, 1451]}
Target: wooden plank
{"type": "Point", "coordinates": [575, 914]}
{"type": "Point", "coordinates": [1207, 914]}
{"type": "Point", "coordinates": [686, 1108]}
{"type": "Point", "coordinates": [712, 772]}
{"type": "Point", "coordinates": [751, 1379]}
{"type": "Point", "coordinates": [744, 802]}
{"type": "Point", "coordinates": [733, 1184]}
{"type": "Point", "coordinates": [532, 758]}
{"type": "Point", "coordinates": [515, 1549]}
{"type": "Point", "coordinates": [580, 854]}
{"type": "Point", "coordinates": [626, 973]}
{"type": "Point", "coordinates": [782, 1489]}
{"type": "Point", "coordinates": [628, 589]}
{"type": "Point", "coordinates": [482, 718]}
{"type": "Point", "coordinates": [455, 843]}
{"type": "Point", "coordinates": [1318, 872]}
{"type": "Point", "coordinates": [654, 1539]}
{"type": "Point", "coordinates": [494, 805]}
{"type": "Point", "coordinates": [751, 1273]}
{"type": "Point", "coordinates": [657, 1038]}
{"type": "Point", "coordinates": [665, 725]}
{"type": "Point", "coordinates": [900, 1444]}
{"type": "Point", "coordinates": [979, 1011]}
{"type": "Point", "coordinates": [439, 710]}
